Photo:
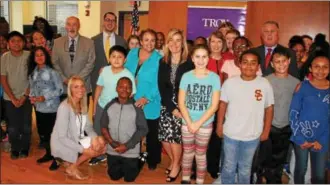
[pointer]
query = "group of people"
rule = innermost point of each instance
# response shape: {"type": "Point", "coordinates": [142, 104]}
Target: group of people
{"type": "Point", "coordinates": [214, 104]}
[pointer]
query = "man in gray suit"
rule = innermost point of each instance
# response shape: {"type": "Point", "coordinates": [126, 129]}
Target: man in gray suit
{"type": "Point", "coordinates": [270, 38]}
{"type": "Point", "coordinates": [108, 36]}
{"type": "Point", "coordinates": [74, 55]}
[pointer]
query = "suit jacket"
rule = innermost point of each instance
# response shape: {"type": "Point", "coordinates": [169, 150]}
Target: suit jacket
{"type": "Point", "coordinates": [165, 86]}
{"type": "Point", "coordinates": [64, 140]}
{"type": "Point", "coordinates": [293, 68]}
{"type": "Point", "coordinates": [83, 62]}
{"type": "Point", "coordinates": [101, 59]}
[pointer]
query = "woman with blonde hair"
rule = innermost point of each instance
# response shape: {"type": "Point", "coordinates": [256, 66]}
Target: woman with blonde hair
{"type": "Point", "coordinates": [171, 68]}
{"type": "Point", "coordinates": [73, 139]}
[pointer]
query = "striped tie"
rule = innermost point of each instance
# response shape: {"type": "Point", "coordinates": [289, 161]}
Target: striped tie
{"type": "Point", "coordinates": [71, 50]}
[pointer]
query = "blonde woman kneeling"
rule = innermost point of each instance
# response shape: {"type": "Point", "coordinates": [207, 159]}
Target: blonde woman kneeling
{"type": "Point", "coordinates": [73, 139]}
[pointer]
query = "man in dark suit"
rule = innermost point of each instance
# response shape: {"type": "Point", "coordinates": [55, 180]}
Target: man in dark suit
{"type": "Point", "coordinates": [103, 42]}
{"type": "Point", "coordinates": [270, 38]}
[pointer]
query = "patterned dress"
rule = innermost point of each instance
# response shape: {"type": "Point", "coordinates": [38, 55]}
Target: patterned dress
{"type": "Point", "coordinates": [169, 125]}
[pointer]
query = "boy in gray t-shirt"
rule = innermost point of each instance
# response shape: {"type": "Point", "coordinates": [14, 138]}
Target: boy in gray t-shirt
{"type": "Point", "coordinates": [275, 149]}
{"type": "Point", "coordinates": [14, 67]}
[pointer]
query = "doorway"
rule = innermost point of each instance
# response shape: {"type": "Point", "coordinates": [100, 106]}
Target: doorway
{"type": "Point", "coordinates": [125, 20]}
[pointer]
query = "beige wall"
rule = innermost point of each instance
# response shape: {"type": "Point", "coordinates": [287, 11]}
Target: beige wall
{"type": "Point", "coordinates": [90, 25]}
{"type": "Point", "coordinates": [32, 9]}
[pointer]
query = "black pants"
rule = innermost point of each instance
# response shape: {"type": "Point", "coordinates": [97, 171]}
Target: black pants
{"type": "Point", "coordinates": [19, 125]}
{"type": "Point", "coordinates": [64, 96]}
{"type": "Point", "coordinates": [214, 152]}
{"type": "Point", "coordinates": [45, 124]}
{"type": "Point", "coordinates": [272, 155]}
{"type": "Point", "coordinates": [119, 167]}
{"type": "Point", "coordinates": [154, 147]}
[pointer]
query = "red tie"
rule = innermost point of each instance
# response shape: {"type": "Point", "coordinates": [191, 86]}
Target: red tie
{"type": "Point", "coordinates": [268, 57]}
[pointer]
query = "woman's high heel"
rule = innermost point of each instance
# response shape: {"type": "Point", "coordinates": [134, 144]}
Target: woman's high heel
{"type": "Point", "coordinates": [172, 179]}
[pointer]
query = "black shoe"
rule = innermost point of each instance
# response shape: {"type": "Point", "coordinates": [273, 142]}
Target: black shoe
{"type": "Point", "coordinates": [152, 167]}
{"type": "Point", "coordinates": [14, 155]}
{"type": "Point", "coordinates": [172, 179]}
{"type": "Point", "coordinates": [45, 158]}
{"type": "Point", "coordinates": [54, 166]}
{"type": "Point", "coordinates": [214, 175]}
{"type": "Point", "coordinates": [185, 182]}
{"type": "Point", "coordinates": [24, 154]}
{"type": "Point", "coordinates": [193, 176]}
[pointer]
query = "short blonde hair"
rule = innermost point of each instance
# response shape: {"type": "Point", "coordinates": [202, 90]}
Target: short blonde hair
{"type": "Point", "coordinates": [83, 101]}
{"type": "Point", "coordinates": [184, 50]}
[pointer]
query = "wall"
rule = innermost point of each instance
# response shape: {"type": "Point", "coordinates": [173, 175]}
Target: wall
{"type": "Point", "coordinates": [32, 9]}
{"type": "Point", "coordinates": [90, 24]}
{"type": "Point", "coordinates": [161, 13]}
{"type": "Point", "coordinates": [293, 18]}
{"type": "Point", "coordinates": [16, 16]}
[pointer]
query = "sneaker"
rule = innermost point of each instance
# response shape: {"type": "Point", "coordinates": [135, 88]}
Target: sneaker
{"type": "Point", "coordinates": [24, 154]}
{"type": "Point", "coordinates": [14, 155]}
{"type": "Point", "coordinates": [97, 160]}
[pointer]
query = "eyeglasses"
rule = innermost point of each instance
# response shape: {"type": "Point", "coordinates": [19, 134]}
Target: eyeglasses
{"type": "Point", "coordinates": [240, 47]}
{"type": "Point", "coordinates": [110, 20]}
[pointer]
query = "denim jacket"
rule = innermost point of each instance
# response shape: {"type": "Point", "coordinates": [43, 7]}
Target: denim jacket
{"type": "Point", "coordinates": [46, 82]}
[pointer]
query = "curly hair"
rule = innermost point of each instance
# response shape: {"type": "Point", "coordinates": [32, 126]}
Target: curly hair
{"type": "Point", "coordinates": [31, 62]}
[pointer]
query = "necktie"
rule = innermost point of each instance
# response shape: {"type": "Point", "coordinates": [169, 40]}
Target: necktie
{"type": "Point", "coordinates": [268, 57]}
{"type": "Point", "coordinates": [71, 50]}
{"type": "Point", "coordinates": [107, 47]}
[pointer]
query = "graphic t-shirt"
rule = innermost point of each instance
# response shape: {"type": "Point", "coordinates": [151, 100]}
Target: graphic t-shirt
{"type": "Point", "coordinates": [199, 92]}
{"type": "Point", "coordinates": [247, 101]}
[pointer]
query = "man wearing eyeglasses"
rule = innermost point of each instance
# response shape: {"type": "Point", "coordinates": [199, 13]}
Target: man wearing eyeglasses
{"type": "Point", "coordinates": [103, 42]}
{"type": "Point", "coordinates": [74, 54]}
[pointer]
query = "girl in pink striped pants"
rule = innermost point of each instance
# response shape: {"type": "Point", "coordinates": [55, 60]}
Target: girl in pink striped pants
{"type": "Point", "coordinates": [198, 100]}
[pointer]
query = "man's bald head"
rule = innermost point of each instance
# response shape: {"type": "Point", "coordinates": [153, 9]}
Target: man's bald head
{"type": "Point", "coordinates": [72, 26]}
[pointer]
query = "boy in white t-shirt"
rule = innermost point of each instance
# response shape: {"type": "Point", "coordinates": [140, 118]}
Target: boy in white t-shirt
{"type": "Point", "coordinates": [247, 103]}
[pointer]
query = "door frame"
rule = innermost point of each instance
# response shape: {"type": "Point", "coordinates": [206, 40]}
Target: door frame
{"type": "Point", "coordinates": [121, 20]}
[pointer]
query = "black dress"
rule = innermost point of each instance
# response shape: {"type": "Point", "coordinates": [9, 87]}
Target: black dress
{"type": "Point", "coordinates": [169, 77]}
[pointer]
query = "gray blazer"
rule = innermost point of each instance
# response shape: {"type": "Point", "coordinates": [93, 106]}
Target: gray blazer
{"type": "Point", "coordinates": [83, 62]}
{"type": "Point", "coordinates": [64, 140]}
{"type": "Point", "coordinates": [101, 59]}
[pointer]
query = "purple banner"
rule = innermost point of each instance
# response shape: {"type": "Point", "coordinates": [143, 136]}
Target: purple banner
{"type": "Point", "coordinates": [202, 21]}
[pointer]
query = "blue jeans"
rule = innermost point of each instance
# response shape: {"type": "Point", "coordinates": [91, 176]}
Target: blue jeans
{"type": "Point", "coordinates": [318, 163]}
{"type": "Point", "coordinates": [238, 154]}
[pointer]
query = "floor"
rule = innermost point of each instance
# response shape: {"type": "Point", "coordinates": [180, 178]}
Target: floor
{"type": "Point", "coordinates": [28, 171]}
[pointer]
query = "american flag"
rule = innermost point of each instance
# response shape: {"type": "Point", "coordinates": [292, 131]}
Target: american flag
{"type": "Point", "coordinates": [135, 17]}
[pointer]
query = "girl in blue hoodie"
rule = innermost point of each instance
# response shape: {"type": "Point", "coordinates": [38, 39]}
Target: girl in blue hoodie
{"type": "Point", "coordinates": [309, 119]}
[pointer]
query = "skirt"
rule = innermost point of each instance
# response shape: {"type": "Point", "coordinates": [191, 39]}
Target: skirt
{"type": "Point", "coordinates": [169, 127]}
